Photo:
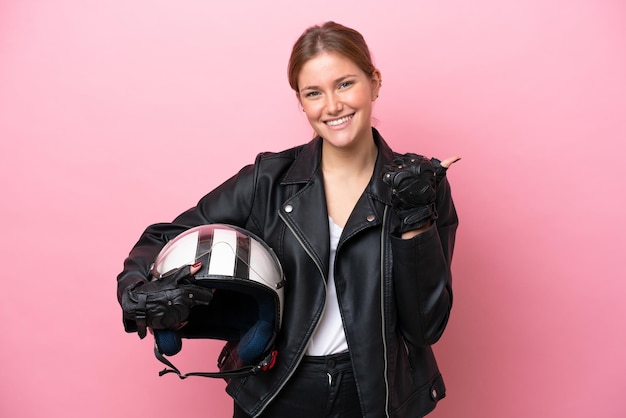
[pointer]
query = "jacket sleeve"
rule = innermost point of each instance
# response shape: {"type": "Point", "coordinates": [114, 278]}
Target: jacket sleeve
{"type": "Point", "coordinates": [422, 277]}
{"type": "Point", "coordinates": [229, 203]}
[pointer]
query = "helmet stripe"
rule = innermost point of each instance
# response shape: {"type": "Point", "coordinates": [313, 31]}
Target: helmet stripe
{"type": "Point", "coordinates": [203, 250]}
{"type": "Point", "coordinates": [242, 262]}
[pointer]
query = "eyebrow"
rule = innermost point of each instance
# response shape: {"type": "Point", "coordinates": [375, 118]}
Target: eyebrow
{"type": "Point", "coordinates": [337, 81]}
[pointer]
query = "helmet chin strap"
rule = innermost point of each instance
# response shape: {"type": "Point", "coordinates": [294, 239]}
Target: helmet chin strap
{"type": "Point", "coordinates": [266, 364]}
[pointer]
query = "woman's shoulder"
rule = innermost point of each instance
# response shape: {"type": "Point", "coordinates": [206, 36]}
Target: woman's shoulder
{"type": "Point", "coordinates": [289, 153]}
{"type": "Point", "coordinates": [293, 164]}
{"type": "Point", "coordinates": [286, 154]}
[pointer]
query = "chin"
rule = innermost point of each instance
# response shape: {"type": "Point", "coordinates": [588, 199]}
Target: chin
{"type": "Point", "coordinates": [347, 138]}
{"type": "Point", "coordinates": [341, 142]}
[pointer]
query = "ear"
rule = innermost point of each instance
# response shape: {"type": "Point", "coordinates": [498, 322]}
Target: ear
{"type": "Point", "coordinates": [300, 106]}
{"type": "Point", "coordinates": [377, 82]}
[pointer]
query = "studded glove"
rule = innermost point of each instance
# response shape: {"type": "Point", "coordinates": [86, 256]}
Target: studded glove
{"type": "Point", "coordinates": [164, 303]}
{"type": "Point", "coordinates": [413, 180]}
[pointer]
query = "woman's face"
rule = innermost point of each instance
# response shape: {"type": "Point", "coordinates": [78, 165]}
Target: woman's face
{"type": "Point", "coordinates": [337, 97]}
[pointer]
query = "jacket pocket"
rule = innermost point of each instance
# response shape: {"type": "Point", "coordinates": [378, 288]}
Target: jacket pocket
{"type": "Point", "coordinates": [407, 353]}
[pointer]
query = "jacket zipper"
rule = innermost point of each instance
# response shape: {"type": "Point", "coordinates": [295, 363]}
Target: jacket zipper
{"type": "Point", "coordinates": [284, 382]}
{"type": "Point", "coordinates": [383, 245]}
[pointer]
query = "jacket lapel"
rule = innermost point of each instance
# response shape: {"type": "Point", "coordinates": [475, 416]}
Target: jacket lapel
{"type": "Point", "coordinates": [369, 209]}
{"type": "Point", "coordinates": [305, 212]}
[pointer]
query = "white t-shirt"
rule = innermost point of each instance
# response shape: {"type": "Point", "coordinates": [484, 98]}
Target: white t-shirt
{"type": "Point", "coordinates": [330, 337]}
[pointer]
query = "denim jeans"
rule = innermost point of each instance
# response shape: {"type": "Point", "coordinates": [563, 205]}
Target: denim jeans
{"type": "Point", "coordinates": [321, 387]}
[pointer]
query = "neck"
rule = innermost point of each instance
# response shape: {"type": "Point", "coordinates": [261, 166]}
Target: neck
{"type": "Point", "coordinates": [349, 161]}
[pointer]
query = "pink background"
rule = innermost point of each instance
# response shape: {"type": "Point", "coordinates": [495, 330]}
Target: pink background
{"type": "Point", "coordinates": [117, 114]}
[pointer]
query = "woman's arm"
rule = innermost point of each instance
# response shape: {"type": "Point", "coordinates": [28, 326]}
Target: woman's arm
{"type": "Point", "coordinates": [229, 203]}
{"type": "Point", "coordinates": [422, 277]}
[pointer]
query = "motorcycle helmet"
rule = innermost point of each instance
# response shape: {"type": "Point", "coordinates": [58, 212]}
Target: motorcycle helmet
{"type": "Point", "coordinates": [247, 304]}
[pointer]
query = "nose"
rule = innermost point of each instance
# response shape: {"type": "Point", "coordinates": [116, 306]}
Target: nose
{"type": "Point", "coordinates": [333, 104]}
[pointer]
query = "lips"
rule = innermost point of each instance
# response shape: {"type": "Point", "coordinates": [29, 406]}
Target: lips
{"type": "Point", "coordinates": [336, 122]}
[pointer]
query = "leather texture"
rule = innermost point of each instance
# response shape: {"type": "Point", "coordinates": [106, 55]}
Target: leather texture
{"type": "Point", "coordinates": [395, 295]}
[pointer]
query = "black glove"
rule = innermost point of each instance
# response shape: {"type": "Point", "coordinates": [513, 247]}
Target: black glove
{"type": "Point", "coordinates": [164, 303]}
{"type": "Point", "coordinates": [413, 180]}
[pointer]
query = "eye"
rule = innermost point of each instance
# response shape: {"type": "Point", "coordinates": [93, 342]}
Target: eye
{"type": "Point", "coordinates": [312, 94]}
{"type": "Point", "coordinates": [345, 84]}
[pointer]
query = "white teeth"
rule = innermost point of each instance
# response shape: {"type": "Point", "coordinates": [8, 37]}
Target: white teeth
{"type": "Point", "coordinates": [339, 121]}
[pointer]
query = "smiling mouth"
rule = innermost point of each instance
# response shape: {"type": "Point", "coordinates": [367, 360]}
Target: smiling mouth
{"type": "Point", "coordinates": [339, 121]}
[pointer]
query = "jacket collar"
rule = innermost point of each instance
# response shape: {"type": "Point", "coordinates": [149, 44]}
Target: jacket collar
{"type": "Point", "coordinates": [307, 164]}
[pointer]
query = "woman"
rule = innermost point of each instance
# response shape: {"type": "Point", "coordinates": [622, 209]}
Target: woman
{"type": "Point", "coordinates": [365, 237]}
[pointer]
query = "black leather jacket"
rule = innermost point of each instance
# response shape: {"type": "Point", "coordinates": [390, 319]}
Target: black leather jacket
{"type": "Point", "coordinates": [395, 295]}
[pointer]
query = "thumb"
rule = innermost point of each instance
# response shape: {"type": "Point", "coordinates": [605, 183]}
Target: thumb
{"type": "Point", "coordinates": [449, 161]}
